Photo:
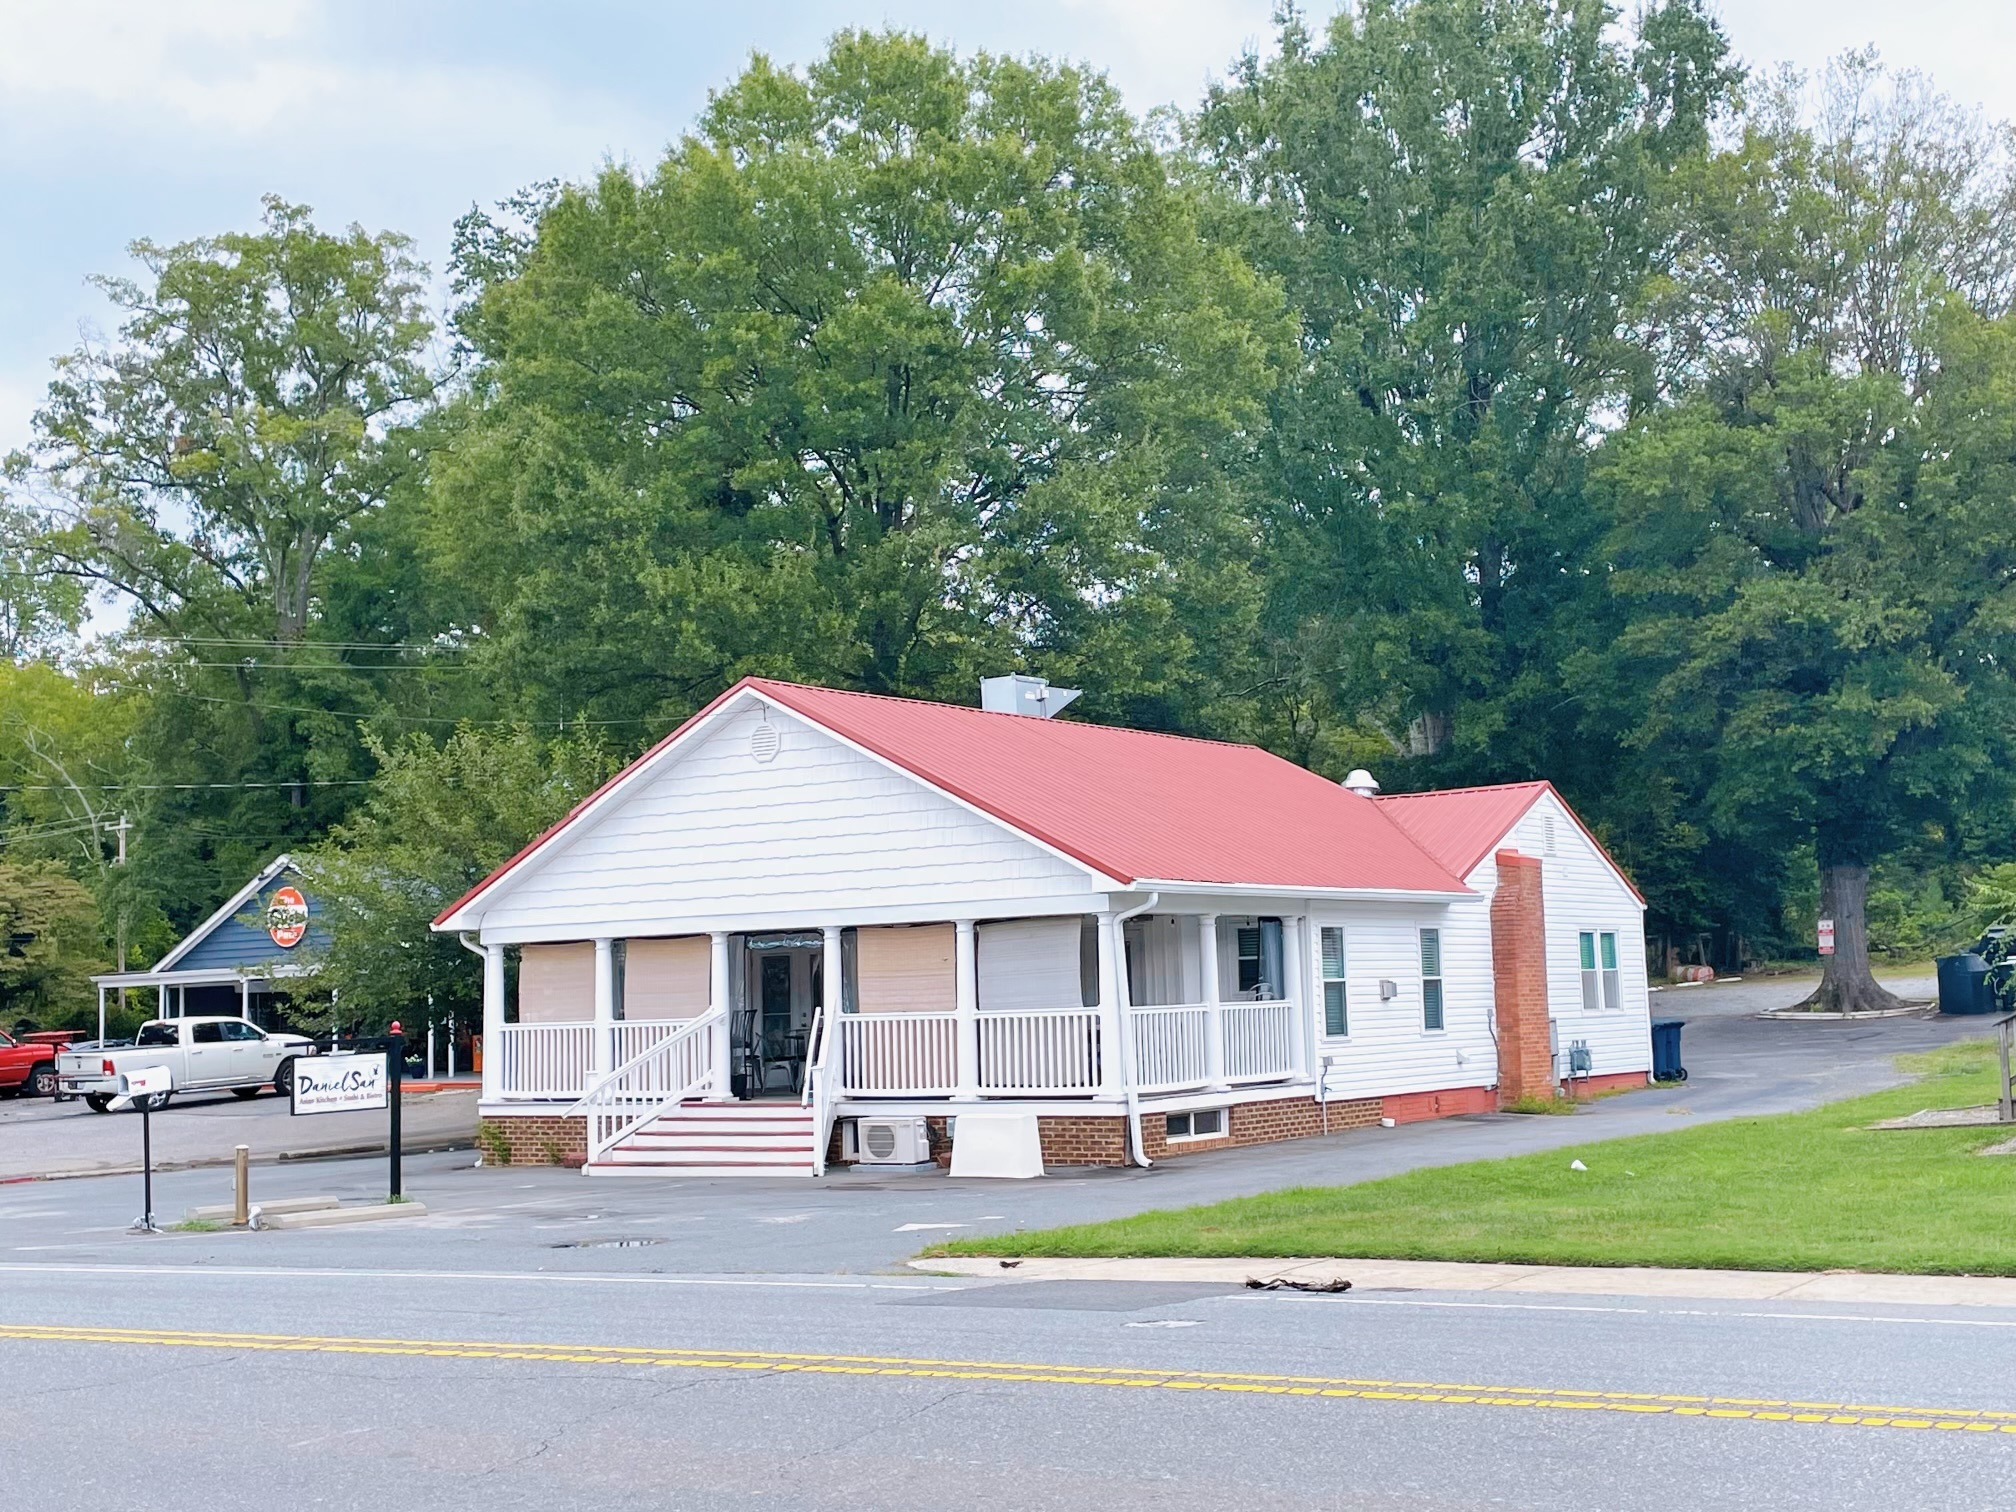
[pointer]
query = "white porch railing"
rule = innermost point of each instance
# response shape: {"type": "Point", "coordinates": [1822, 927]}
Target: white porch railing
{"type": "Point", "coordinates": [1041, 1052]}
{"type": "Point", "coordinates": [674, 1067]}
{"type": "Point", "coordinates": [899, 1054]}
{"type": "Point", "coordinates": [1259, 1040]}
{"type": "Point", "coordinates": [544, 1060]}
{"type": "Point", "coordinates": [1171, 1047]}
{"type": "Point", "coordinates": [634, 1036]}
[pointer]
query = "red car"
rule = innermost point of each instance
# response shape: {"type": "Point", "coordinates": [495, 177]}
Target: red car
{"type": "Point", "coordinates": [28, 1062]}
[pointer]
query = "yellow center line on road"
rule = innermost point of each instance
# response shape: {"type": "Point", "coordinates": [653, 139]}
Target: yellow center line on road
{"type": "Point", "coordinates": [1744, 1409]}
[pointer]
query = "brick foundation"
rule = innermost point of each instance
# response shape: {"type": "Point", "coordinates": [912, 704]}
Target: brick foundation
{"type": "Point", "coordinates": [1519, 976]}
{"type": "Point", "coordinates": [534, 1139]}
{"type": "Point", "coordinates": [1452, 1102]}
{"type": "Point", "coordinates": [1596, 1086]}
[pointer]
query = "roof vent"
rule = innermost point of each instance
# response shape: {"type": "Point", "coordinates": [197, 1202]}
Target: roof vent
{"type": "Point", "coordinates": [1019, 693]}
{"type": "Point", "coordinates": [1361, 782]}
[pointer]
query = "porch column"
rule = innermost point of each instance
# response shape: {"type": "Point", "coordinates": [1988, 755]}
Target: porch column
{"type": "Point", "coordinates": [1214, 1010]}
{"type": "Point", "coordinates": [493, 1023]}
{"type": "Point", "coordinates": [966, 1001]}
{"type": "Point", "coordinates": [1295, 966]}
{"type": "Point", "coordinates": [718, 1004]}
{"type": "Point", "coordinates": [832, 988]}
{"type": "Point", "coordinates": [245, 999]}
{"type": "Point", "coordinates": [101, 1015]}
{"type": "Point", "coordinates": [601, 1046]}
{"type": "Point", "coordinates": [1112, 964]}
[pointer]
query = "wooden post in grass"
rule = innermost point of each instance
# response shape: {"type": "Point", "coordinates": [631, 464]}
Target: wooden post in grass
{"type": "Point", "coordinates": [2005, 1094]}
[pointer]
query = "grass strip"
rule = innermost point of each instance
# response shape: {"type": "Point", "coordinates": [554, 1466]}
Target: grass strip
{"type": "Point", "coordinates": [1797, 1191]}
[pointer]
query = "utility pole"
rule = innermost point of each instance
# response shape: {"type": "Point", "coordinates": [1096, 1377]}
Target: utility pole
{"type": "Point", "coordinates": [120, 830]}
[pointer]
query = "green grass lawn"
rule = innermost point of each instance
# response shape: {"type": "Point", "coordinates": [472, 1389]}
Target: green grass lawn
{"type": "Point", "coordinates": [1799, 1191]}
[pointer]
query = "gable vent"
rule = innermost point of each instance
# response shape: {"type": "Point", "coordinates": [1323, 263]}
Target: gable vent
{"type": "Point", "coordinates": [765, 742]}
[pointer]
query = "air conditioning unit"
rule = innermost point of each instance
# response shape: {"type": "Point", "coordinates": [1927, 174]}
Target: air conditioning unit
{"type": "Point", "coordinates": [886, 1141]}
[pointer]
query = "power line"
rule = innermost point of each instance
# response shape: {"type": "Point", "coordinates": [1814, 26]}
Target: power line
{"type": "Point", "coordinates": [537, 724]}
{"type": "Point", "coordinates": [171, 787]}
{"type": "Point", "coordinates": [280, 645]}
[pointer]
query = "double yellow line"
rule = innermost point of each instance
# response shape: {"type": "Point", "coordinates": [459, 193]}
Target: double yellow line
{"type": "Point", "coordinates": [1743, 1409]}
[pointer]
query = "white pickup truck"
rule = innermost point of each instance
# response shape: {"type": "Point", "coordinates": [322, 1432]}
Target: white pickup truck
{"type": "Point", "coordinates": [201, 1054]}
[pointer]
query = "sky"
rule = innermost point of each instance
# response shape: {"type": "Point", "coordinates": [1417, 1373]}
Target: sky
{"type": "Point", "coordinates": [169, 119]}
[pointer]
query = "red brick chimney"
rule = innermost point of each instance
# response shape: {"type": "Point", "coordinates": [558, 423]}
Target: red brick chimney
{"type": "Point", "coordinates": [1519, 974]}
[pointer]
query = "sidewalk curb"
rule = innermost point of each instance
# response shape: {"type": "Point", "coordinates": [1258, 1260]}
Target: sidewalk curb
{"type": "Point", "coordinates": [1555, 1280]}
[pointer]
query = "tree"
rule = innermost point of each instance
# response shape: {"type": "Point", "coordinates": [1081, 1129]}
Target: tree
{"type": "Point", "coordinates": [243, 420]}
{"type": "Point", "coordinates": [896, 371]}
{"type": "Point", "coordinates": [1815, 536]}
{"type": "Point", "coordinates": [439, 818]}
{"type": "Point", "coordinates": [1464, 200]}
{"type": "Point", "coordinates": [48, 946]}
{"type": "Point", "coordinates": [39, 609]}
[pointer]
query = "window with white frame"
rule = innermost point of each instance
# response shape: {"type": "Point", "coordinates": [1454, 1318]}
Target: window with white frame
{"type": "Point", "coordinates": [1336, 1015]}
{"type": "Point", "coordinates": [1431, 979]}
{"type": "Point", "coordinates": [1200, 1123]}
{"type": "Point", "coordinates": [1602, 985]}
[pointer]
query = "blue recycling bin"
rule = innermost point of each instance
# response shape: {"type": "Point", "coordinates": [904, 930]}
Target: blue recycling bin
{"type": "Point", "coordinates": [1666, 1065]}
{"type": "Point", "coordinates": [1964, 984]}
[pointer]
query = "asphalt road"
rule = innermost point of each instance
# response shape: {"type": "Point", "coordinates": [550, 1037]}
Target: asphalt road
{"type": "Point", "coordinates": [544, 1340]}
{"type": "Point", "coordinates": [377, 1388]}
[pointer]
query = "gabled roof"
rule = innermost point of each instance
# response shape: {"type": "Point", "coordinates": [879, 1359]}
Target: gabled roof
{"type": "Point", "coordinates": [1461, 826]}
{"type": "Point", "coordinates": [1137, 807]}
{"type": "Point", "coordinates": [231, 909]}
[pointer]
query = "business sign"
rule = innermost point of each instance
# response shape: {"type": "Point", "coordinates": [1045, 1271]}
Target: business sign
{"type": "Point", "coordinates": [287, 917]}
{"type": "Point", "coordinates": [1826, 937]}
{"type": "Point", "coordinates": [339, 1083]}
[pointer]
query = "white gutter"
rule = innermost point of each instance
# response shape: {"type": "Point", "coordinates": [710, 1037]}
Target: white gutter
{"type": "Point", "coordinates": [1126, 1019]}
{"type": "Point", "coordinates": [1301, 890]}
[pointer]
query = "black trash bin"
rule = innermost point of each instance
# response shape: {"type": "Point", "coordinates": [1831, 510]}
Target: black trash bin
{"type": "Point", "coordinates": [1963, 984]}
{"type": "Point", "coordinates": [1666, 1065]}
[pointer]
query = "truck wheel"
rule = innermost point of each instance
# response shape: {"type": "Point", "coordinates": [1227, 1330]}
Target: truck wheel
{"type": "Point", "coordinates": [244, 1091]}
{"type": "Point", "coordinates": [97, 1102]}
{"type": "Point", "coordinates": [42, 1080]}
{"type": "Point", "coordinates": [283, 1078]}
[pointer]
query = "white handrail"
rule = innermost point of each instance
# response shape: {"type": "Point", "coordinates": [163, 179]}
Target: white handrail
{"type": "Point", "coordinates": [654, 1080]}
{"type": "Point", "coordinates": [818, 1094]}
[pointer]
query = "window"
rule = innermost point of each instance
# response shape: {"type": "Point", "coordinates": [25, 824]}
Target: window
{"type": "Point", "coordinates": [157, 1034]}
{"type": "Point", "coordinates": [1336, 1016]}
{"type": "Point", "coordinates": [238, 1029]}
{"type": "Point", "coordinates": [1602, 986]}
{"type": "Point", "coordinates": [1203, 1123]}
{"type": "Point", "coordinates": [1431, 979]}
{"type": "Point", "coordinates": [206, 1034]}
{"type": "Point", "coordinates": [1248, 983]}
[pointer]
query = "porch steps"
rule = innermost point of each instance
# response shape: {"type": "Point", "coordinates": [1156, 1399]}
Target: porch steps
{"type": "Point", "coordinates": [716, 1139]}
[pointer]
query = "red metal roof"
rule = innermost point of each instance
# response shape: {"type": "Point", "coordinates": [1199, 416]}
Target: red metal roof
{"type": "Point", "coordinates": [1461, 826]}
{"type": "Point", "coordinates": [1132, 804]}
{"type": "Point", "coordinates": [1137, 805]}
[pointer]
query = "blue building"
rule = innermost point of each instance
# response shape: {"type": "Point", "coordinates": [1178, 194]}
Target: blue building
{"type": "Point", "coordinates": [262, 942]}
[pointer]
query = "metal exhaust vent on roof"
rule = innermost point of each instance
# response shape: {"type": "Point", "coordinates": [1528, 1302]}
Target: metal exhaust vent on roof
{"type": "Point", "coordinates": [1361, 782]}
{"type": "Point", "coordinates": [1019, 693]}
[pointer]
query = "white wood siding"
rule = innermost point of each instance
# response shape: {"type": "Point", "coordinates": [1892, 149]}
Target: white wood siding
{"type": "Point", "coordinates": [665, 979]}
{"type": "Point", "coordinates": [1388, 1052]}
{"type": "Point", "coordinates": [1581, 892]}
{"type": "Point", "coordinates": [820, 834]}
{"type": "Point", "coordinates": [905, 968]}
{"type": "Point", "coordinates": [556, 983]}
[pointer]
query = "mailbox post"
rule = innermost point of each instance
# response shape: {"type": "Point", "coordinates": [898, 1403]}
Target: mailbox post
{"type": "Point", "coordinates": [142, 1089]}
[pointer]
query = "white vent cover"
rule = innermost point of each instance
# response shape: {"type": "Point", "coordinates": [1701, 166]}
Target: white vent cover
{"type": "Point", "coordinates": [764, 742]}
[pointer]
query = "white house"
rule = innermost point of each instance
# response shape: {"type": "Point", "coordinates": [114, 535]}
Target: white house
{"type": "Point", "coordinates": [811, 923]}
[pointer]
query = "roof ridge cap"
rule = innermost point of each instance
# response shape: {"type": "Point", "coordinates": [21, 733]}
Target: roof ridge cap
{"type": "Point", "coordinates": [1479, 787]}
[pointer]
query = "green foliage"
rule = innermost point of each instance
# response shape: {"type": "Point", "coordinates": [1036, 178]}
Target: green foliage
{"type": "Point", "coordinates": [899, 370]}
{"type": "Point", "coordinates": [1800, 1191]}
{"type": "Point", "coordinates": [1991, 897]}
{"type": "Point", "coordinates": [39, 609]}
{"type": "Point", "coordinates": [48, 947]}
{"type": "Point", "coordinates": [437, 821]}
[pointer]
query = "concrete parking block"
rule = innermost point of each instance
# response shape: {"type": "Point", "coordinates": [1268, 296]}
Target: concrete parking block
{"type": "Point", "coordinates": [342, 1217]}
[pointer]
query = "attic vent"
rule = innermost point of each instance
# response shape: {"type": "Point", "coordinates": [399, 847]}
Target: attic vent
{"type": "Point", "coordinates": [1546, 837]}
{"type": "Point", "coordinates": [764, 742]}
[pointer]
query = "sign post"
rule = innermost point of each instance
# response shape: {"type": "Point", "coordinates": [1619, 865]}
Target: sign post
{"type": "Point", "coordinates": [142, 1089]}
{"type": "Point", "coordinates": [349, 1081]}
{"type": "Point", "coordinates": [1826, 933]}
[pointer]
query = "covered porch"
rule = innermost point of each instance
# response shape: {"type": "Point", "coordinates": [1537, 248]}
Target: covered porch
{"type": "Point", "coordinates": [1112, 1007]}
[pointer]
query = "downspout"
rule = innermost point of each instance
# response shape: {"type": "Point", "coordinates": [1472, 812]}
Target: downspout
{"type": "Point", "coordinates": [1126, 1017]}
